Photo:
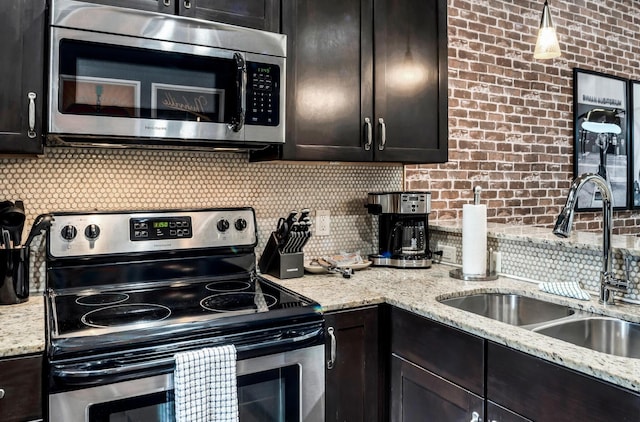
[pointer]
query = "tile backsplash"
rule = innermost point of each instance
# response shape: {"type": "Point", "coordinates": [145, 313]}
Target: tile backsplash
{"type": "Point", "coordinates": [84, 179]}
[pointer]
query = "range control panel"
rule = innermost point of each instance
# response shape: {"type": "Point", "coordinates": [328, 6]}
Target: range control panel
{"type": "Point", "coordinates": [75, 235]}
{"type": "Point", "coordinates": [155, 228]}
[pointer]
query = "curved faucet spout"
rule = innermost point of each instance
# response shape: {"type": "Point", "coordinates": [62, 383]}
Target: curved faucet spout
{"type": "Point", "coordinates": [565, 219]}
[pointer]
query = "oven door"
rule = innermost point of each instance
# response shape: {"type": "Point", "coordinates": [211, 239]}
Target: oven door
{"type": "Point", "coordinates": [284, 387]}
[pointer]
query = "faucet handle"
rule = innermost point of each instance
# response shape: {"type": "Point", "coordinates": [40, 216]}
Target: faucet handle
{"type": "Point", "coordinates": [619, 285]}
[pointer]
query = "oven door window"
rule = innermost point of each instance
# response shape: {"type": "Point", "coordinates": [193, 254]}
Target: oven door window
{"type": "Point", "coordinates": [268, 396]}
{"type": "Point", "coordinates": [130, 82]}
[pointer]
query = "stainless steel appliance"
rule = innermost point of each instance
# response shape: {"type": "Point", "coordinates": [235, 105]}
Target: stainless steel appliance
{"type": "Point", "coordinates": [403, 228]}
{"type": "Point", "coordinates": [122, 77]}
{"type": "Point", "coordinates": [127, 290]}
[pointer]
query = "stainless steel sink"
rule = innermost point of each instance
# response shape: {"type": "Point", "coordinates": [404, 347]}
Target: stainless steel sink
{"type": "Point", "coordinates": [513, 309]}
{"type": "Point", "coordinates": [607, 335]}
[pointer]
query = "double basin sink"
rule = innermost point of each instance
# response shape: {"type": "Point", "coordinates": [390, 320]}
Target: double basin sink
{"type": "Point", "coordinates": [603, 334]}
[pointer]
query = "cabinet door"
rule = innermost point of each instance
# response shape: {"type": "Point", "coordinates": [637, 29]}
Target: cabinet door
{"type": "Point", "coordinates": [258, 14]}
{"type": "Point", "coordinates": [22, 26]}
{"type": "Point", "coordinates": [420, 395]}
{"type": "Point", "coordinates": [329, 79]}
{"type": "Point", "coordinates": [21, 385]}
{"type": "Point", "coordinates": [352, 382]}
{"type": "Point", "coordinates": [411, 80]}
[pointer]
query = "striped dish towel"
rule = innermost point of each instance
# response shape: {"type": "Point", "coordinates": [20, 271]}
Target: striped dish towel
{"type": "Point", "coordinates": [205, 385]}
{"type": "Point", "coordinates": [569, 289]}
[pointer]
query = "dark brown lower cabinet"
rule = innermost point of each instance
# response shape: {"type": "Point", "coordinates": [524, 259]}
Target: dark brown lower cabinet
{"type": "Point", "coordinates": [543, 391]}
{"type": "Point", "coordinates": [437, 372]}
{"type": "Point", "coordinates": [496, 413]}
{"type": "Point", "coordinates": [21, 389]}
{"type": "Point", "coordinates": [421, 395]}
{"type": "Point", "coordinates": [353, 388]}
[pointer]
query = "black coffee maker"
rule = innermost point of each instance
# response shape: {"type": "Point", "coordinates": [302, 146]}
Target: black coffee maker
{"type": "Point", "coordinates": [403, 228]}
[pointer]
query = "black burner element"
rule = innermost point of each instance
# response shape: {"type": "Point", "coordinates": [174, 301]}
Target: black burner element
{"type": "Point", "coordinates": [118, 315]}
{"type": "Point", "coordinates": [228, 286]}
{"type": "Point", "coordinates": [240, 301]}
{"type": "Point", "coordinates": [102, 299]}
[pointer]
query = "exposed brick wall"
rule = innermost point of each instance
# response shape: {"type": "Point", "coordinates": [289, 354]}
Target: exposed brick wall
{"type": "Point", "coordinates": [511, 117]}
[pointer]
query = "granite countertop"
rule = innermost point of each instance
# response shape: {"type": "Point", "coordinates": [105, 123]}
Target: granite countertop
{"type": "Point", "coordinates": [22, 327]}
{"type": "Point", "coordinates": [418, 291]}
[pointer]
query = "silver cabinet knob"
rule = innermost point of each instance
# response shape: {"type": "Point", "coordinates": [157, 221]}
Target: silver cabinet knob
{"type": "Point", "coordinates": [383, 134]}
{"type": "Point", "coordinates": [1, 393]}
{"type": "Point", "coordinates": [334, 346]}
{"type": "Point", "coordinates": [31, 133]}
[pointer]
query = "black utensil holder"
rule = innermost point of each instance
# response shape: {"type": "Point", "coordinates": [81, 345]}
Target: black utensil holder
{"type": "Point", "coordinates": [14, 276]}
{"type": "Point", "coordinates": [278, 264]}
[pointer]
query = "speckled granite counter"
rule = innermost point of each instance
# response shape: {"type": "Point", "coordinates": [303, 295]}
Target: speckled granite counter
{"type": "Point", "coordinates": [419, 290]}
{"type": "Point", "coordinates": [22, 327]}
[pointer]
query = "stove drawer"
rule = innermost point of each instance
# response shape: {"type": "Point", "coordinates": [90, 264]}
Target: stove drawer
{"type": "Point", "coordinates": [21, 388]}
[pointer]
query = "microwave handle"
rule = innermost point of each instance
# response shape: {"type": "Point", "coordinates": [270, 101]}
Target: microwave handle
{"type": "Point", "coordinates": [237, 121]}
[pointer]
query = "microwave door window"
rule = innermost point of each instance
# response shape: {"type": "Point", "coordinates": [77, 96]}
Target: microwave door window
{"type": "Point", "coordinates": [116, 81]}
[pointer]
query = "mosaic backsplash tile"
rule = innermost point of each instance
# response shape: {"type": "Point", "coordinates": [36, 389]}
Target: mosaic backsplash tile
{"type": "Point", "coordinates": [84, 179]}
{"type": "Point", "coordinates": [545, 262]}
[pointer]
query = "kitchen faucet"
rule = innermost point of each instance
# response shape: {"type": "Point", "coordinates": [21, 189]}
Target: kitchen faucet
{"type": "Point", "coordinates": [608, 283]}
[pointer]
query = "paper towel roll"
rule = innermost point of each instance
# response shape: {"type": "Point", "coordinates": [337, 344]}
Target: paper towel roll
{"type": "Point", "coordinates": [474, 239]}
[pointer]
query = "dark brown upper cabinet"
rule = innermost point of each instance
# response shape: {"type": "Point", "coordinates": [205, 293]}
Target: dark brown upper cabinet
{"type": "Point", "coordinates": [366, 81]}
{"type": "Point", "coordinates": [22, 25]}
{"type": "Point", "coordinates": [257, 14]}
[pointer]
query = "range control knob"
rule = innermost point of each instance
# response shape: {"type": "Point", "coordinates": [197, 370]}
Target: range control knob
{"type": "Point", "coordinates": [69, 232]}
{"type": "Point", "coordinates": [240, 224]}
{"type": "Point", "coordinates": [92, 231]}
{"type": "Point", "coordinates": [223, 225]}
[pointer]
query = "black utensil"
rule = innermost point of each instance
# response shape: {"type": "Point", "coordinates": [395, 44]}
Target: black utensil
{"type": "Point", "coordinates": [42, 222]}
{"type": "Point", "coordinates": [12, 219]}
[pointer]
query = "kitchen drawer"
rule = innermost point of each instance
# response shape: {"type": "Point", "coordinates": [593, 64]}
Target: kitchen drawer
{"type": "Point", "coordinates": [450, 353]}
{"type": "Point", "coordinates": [21, 382]}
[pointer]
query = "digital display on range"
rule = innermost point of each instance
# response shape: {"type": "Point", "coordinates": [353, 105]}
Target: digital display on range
{"type": "Point", "coordinates": [160, 228]}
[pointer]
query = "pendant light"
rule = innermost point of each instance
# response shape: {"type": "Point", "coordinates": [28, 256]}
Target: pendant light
{"type": "Point", "coordinates": [547, 46]}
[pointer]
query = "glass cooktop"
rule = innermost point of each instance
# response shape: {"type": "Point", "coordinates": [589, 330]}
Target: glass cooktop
{"type": "Point", "coordinates": [96, 312]}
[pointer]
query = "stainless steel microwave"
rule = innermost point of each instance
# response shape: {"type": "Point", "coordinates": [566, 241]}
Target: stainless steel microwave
{"type": "Point", "coordinates": [123, 77]}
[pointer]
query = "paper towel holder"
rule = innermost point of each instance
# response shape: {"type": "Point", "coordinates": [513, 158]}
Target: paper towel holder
{"type": "Point", "coordinates": [457, 273]}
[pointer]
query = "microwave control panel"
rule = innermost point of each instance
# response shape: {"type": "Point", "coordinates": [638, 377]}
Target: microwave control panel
{"type": "Point", "coordinates": [263, 94]}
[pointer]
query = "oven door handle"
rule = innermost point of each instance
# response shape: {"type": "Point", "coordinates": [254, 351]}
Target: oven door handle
{"type": "Point", "coordinates": [81, 371]}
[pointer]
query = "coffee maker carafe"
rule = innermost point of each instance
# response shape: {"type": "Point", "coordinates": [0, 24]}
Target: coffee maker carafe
{"type": "Point", "coordinates": [403, 229]}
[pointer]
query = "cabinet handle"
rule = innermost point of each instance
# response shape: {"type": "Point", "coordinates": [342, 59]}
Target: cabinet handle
{"type": "Point", "coordinates": [332, 358]}
{"type": "Point", "coordinates": [369, 134]}
{"type": "Point", "coordinates": [383, 133]}
{"type": "Point", "coordinates": [475, 417]}
{"type": "Point", "coordinates": [237, 121]}
{"type": "Point", "coordinates": [166, 3]}
{"type": "Point", "coordinates": [31, 133]}
{"type": "Point", "coordinates": [1, 393]}
{"type": "Point", "coordinates": [187, 4]}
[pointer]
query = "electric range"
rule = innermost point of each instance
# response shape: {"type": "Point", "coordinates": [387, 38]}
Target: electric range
{"type": "Point", "coordinates": [127, 290]}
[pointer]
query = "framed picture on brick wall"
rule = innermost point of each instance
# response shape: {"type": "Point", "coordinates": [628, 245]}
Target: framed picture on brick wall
{"type": "Point", "coordinates": [634, 93]}
{"type": "Point", "coordinates": [601, 135]}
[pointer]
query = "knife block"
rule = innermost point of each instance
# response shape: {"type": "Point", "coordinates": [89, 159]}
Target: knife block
{"type": "Point", "coordinates": [278, 264]}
